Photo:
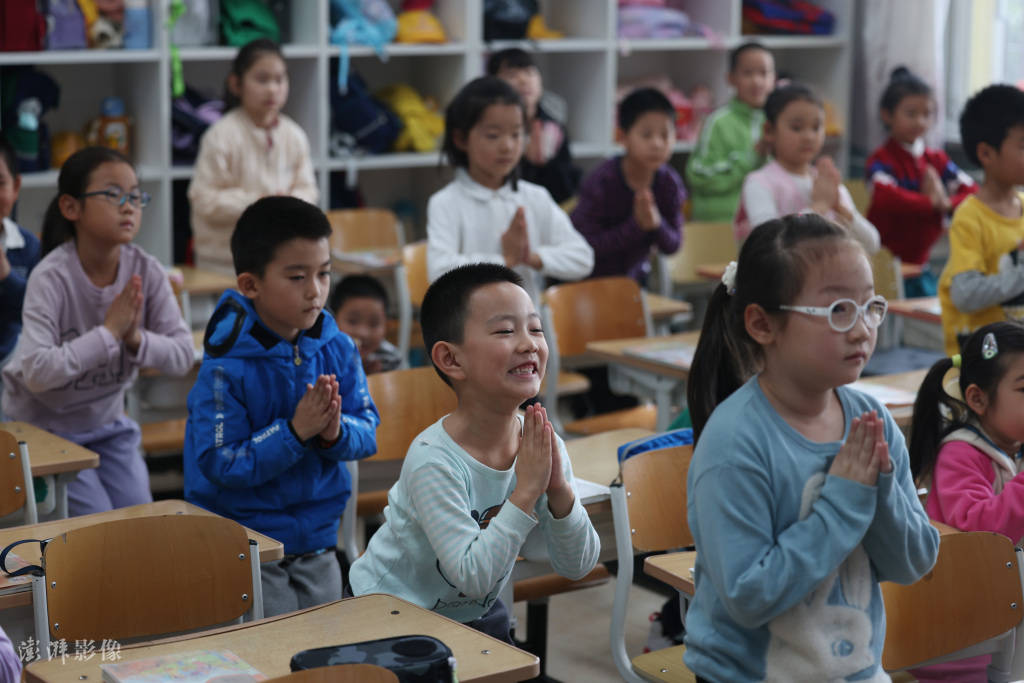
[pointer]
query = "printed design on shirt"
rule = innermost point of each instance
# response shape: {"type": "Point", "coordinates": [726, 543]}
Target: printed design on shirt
{"type": "Point", "coordinates": [1013, 307]}
{"type": "Point", "coordinates": [484, 521]}
{"type": "Point", "coordinates": [109, 374]}
{"type": "Point", "coordinates": [827, 635]}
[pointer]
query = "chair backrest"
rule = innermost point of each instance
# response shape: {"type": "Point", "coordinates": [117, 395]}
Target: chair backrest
{"type": "Point", "coordinates": [858, 190]}
{"type": "Point", "coordinates": [972, 594]}
{"type": "Point", "coordinates": [146, 576]}
{"type": "Point", "coordinates": [655, 485]}
{"type": "Point", "coordinates": [594, 310]}
{"type": "Point", "coordinates": [886, 268]}
{"type": "Point", "coordinates": [16, 490]}
{"type": "Point", "coordinates": [414, 258]}
{"type": "Point", "coordinates": [340, 673]}
{"type": "Point", "coordinates": [703, 243]}
{"type": "Point", "coordinates": [362, 229]}
{"type": "Point", "coordinates": [409, 401]}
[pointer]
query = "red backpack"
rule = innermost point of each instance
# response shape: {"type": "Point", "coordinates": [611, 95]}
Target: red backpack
{"type": "Point", "coordinates": [22, 26]}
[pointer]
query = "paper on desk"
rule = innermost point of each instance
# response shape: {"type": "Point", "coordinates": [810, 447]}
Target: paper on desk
{"type": "Point", "coordinates": [14, 584]}
{"type": "Point", "coordinates": [186, 667]}
{"type": "Point", "coordinates": [888, 396]}
{"type": "Point", "coordinates": [591, 492]}
{"type": "Point", "coordinates": [669, 352]}
{"type": "Point", "coordinates": [366, 259]}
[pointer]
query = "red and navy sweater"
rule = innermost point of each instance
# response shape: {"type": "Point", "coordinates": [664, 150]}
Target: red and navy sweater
{"type": "Point", "coordinates": [907, 222]}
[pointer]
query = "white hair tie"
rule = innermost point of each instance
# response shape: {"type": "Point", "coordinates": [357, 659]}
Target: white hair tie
{"type": "Point", "coordinates": [729, 278]}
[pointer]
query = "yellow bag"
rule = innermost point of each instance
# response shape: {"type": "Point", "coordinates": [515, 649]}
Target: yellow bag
{"type": "Point", "coordinates": [422, 125]}
{"type": "Point", "coordinates": [419, 26]}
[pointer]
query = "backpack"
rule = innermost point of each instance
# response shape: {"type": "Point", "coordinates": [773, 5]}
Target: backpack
{"type": "Point", "coordinates": [363, 122]}
{"type": "Point", "coordinates": [22, 26]}
{"type": "Point", "coordinates": [507, 19]}
{"type": "Point", "coordinates": [360, 22]}
{"type": "Point", "coordinates": [26, 94]}
{"type": "Point", "coordinates": [191, 115]}
{"type": "Point", "coordinates": [787, 16]}
{"type": "Point", "coordinates": [676, 437]}
{"type": "Point", "coordinates": [242, 21]}
{"type": "Point", "coordinates": [66, 26]}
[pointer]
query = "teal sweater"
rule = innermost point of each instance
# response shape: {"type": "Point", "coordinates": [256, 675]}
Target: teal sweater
{"type": "Point", "coordinates": [724, 156]}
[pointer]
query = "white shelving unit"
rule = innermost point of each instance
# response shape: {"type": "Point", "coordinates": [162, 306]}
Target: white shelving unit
{"type": "Point", "coordinates": [584, 68]}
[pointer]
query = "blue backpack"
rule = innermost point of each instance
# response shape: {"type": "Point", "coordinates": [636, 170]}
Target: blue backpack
{"type": "Point", "coordinates": [655, 442]}
{"type": "Point", "coordinates": [360, 22]}
{"type": "Point", "coordinates": [363, 122]}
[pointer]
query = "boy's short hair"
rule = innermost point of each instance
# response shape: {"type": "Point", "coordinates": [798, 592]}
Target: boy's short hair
{"type": "Point", "coordinates": [9, 156]}
{"type": "Point", "coordinates": [512, 58]}
{"type": "Point", "coordinates": [444, 309]}
{"type": "Point", "coordinates": [355, 287]}
{"type": "Point", "coordinates": [737, 52]}
{"type": "Point", "coordinates": [988, 117]}
{"type": "Point", "coordinates": [268, 223]}
{"type": "Point", "coordinates": [641, 101]}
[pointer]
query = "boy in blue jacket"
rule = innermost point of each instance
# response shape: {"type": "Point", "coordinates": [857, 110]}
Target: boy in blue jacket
{"type": "Point", "coordinates": [280, 403]}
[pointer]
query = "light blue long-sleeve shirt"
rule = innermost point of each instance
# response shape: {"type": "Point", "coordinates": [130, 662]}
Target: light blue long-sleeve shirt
{"type": "Point", "coordinates": [789, 558]}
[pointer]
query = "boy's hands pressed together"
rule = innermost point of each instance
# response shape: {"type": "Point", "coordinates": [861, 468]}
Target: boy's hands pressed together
{"type": "Point", "coordinates": [645, 210]}
{"type": "Point", "coordinates": [333, 429]}
{"type": "Point", "coordinates": [315, 408]}
{"type": "Point", "coordinates": [533, 459]}
{"type": "Point", "coordinates": [560, 494]}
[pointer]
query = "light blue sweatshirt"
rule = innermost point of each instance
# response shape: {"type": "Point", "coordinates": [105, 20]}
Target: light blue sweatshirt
{"type": "Point", "coordinates": [789, 558]}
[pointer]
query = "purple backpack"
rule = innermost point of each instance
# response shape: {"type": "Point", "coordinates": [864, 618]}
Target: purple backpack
{"type": "Point", "coordinates": [65, 25]}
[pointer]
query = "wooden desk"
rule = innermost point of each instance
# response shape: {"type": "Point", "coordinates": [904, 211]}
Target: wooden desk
{"type": "Point", "coordinates": [911, 381]}
{"type": "Point", "coordinates": [269, 644]}
{"type": "Point", "coordinates": [270, 549]}
{"type": "Point", "coordinates": [714, 271]}
{"type": "Point", "coordinates": [663, 380]}
{"type": "Point", "coordinates": [53, 457]}
{"type": "Point", "coordinates": [198, 281]}
{"type": "Point", "coordinates": [925, 308]}
{"type": "Point", "coordinates": [674, 568]}
{"type": "Point", "coordinates": [663, 308]}
{"type": "Point", "coordinates": [595, 458]}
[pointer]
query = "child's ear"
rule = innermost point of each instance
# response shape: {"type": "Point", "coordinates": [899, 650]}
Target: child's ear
{"type": "Point", "coordinates": [759, 324]}
{"type": "Point", "coordinates": [17, 185]}
{"type": "Point", "coordinates": [447, 359]}
{"type": "Point", "coordinates": [768, 132]}
{"type": "Point", "coordinates": [976, 399]}
{"type": "Point", "coordinates": [886, 117]}
{"type": "Point", "coordinates": [234, 87]}
{"type": "Point", "coordinates": [620, 136]}
{"type": "Point", "coordinates": [986, 153]}
{"type": "Point", "coordinates": [459, 138]}
{"type": "Point", "coordinates": [69, 207]}
{"type": "Point", "coordinates": [248, 285]}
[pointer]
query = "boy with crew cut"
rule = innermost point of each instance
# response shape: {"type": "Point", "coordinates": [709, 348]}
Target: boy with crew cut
{"type": "Point", "coordinates": [360, 305]}
{"type": "Point", "coordinates": [729, 146]}
{"type": "Point", "coordinates": [477, 482]}
{"type": "Point", "coordinates": [983, 281]}
{"type": "Point", "coordinates": [630, 205]}
{"type": "Point", "coordinates": [280, 403]}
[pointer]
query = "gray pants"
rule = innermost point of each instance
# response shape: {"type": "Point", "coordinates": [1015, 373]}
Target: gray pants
{"type": "Point", "coordinates": [299, 581]}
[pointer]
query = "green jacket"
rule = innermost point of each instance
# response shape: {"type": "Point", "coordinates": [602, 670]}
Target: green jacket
{"type": "Point", "coordinates": [722, 159]}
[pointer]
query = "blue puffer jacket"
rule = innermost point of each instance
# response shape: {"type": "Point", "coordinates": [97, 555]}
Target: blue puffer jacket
{"type": "Point", "coordinates": [242, 459]}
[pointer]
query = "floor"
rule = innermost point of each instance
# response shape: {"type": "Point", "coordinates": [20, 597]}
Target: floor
{"type": "Point", "coordinates": [578, 647]}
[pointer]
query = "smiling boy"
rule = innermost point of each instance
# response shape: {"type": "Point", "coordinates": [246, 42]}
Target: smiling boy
{"type": "Point", "coordinates": [280, 403]}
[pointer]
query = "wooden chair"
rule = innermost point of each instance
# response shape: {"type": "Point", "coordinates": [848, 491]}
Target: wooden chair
{"type": "Point", "coordinates": [969, 604]}
{"type": "Point", "coordinates": [414, 264]}
{"type": "Point", "coordinates": [885, 266]}
{"type": "Point", "coordinates": [340, 673]}
{"type": "Point", "coordinates": [859, 193]}
{"type": "Point", "coordinates": [592, 310]}
{"type": "Point", "coordinates": [16, 489]}
{"type": "Point", "coordinates": [365, 229]}
{"type": "Point", "coordinates": [703, 243]}
{"type": "Point", "coordinates": [144, 576]}
{"type": "Point", "coordinates": [409, 401]}
{"type": "Point", "coordinates": [649, 514]}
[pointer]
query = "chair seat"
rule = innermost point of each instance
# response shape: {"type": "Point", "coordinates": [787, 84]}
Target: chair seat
{"type": "Point", "coordinates": [167, 436]}
{"type": "Point", "coordinates": [539, 587]}
{"type": "Point", "coordinates": [664, 665]}
{"type": "Point", "coordinates": [569, 384]}
{"type": "Point", "coordinates": [371, 502]}
{"type": "Point", "coordinates": [642, 417]}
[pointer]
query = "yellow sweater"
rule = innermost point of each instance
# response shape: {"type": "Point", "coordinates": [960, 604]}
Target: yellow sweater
{"type": "Point", "coordinates": [238, 163]}
{"type": "Point", "coordinates": [984, 241]}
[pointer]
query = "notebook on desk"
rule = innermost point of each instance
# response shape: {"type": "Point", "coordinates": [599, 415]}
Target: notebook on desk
{"type": "Point", "coordinates": [669, 352]}
{"type": "Point", "coordinates": [14, 584]}
{"type": "Point", "coordinates": [888, 396]}
{"type": "Point", "coordinates": [185, 667]}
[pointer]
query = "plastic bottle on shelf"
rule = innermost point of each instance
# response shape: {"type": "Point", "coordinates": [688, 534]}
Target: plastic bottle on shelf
{"type": "Point", "coordinates": [112, 128]}
{"type": "Point", "coordinates": [138, 22]}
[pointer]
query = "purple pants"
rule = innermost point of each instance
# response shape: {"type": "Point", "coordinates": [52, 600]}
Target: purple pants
{"type": "Point", "coordinates": [121, 479]}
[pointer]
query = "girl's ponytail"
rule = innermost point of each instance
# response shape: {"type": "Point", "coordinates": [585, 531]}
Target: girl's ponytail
{"type": "Point", "coordinates": [717, 369]}
{"type": "Point", "coordinates": [56, 229]}
{"type": "Point", "coordinates": [929, 425]}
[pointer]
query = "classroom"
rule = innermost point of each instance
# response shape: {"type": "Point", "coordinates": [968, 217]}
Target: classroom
{"type": "Point", "coordinates": [505, 340]}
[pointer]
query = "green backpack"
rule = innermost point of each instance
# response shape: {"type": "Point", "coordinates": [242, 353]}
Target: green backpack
{"type": "Point", "coordinates": [242, 21]}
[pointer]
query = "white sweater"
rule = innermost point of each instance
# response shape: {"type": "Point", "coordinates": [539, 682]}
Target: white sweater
{"type": "Point", "coordinates": [240, 162]}
{"type": "Point", "coordinates": [465, 221]}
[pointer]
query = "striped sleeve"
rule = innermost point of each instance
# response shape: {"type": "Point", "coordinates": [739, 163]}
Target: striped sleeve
{"type": "Point", "coordinates": [473, 559]}
{"type": "Point", "coordinates": [572, 542]}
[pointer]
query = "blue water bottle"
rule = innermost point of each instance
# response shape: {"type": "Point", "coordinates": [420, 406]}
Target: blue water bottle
{"type": "Point", "coordinates": [138, 25]}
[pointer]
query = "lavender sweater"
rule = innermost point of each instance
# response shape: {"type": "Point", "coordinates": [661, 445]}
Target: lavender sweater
{"type": "Point", "coordinates": [68, 372]}
{"type": "Point", "coordinates": [604, 215]}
